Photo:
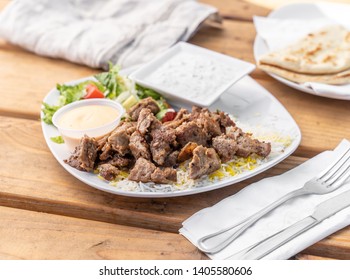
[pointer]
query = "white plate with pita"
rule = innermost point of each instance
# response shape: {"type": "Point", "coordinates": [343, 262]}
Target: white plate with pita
{"type": "Point", "coordinates": [253, 108]}
{"type": "Point", "coordinates": [312, 13]}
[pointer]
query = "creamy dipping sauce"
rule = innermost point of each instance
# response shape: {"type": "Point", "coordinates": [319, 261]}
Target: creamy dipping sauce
{"type": "Point", "coordinates": [192, 76]}
{"type": "Point", "coordinates": [87, 117]}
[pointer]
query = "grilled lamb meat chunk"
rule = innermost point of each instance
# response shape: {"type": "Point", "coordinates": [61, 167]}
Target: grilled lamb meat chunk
{"type": "Point", "coordinates": [190, 132]}
{"type": "Point", "coordinates": [187, 151]}
{"type": "Point", "coordinates": [121, 161]}
{"type": "Point", "coordinates": [142, 171]}
{"type": "Point", "coordinates": [145, 121]}
{"type": "Point", "coordinates": [225, 147]}
{"type": "Point", "coordinates": [163, 140]}
{"type": "Point", "coordinates": [164, 176]}
{"type": "Point", "coordinates": [235, 133]}
{"type": "Point", "coordinates": [148, 102]}
{"type": "Point", "coordinates": [171, 159]}
{"type": "Point", "coordinates": [107, 152]}
{"type": "Point", "coordinates": [219, 118]}
{"type": "Point", "coordinates": [138, 146]}
{"type": "Point", "coordinates": [127, 126]}
{"type": "Point", "coordinates": [263, 148]}
{"type": "Point", "coordinates": [145, 171]}
{"type": "Point", "coordinates": [195, 113]}
{"type": "Point", "coordinates": [181, 117]}
{"type": "Point", "coordinates": [119, 138]}
{"type": "Point", "coordinates": [224, 120]}
{"type": "Point", "coordinates": [209, 123]}
{"type": "Point", "coordinates": [101, 142]}
{"type": "Point", "coordinates": [108, 171]}
{"type": "Point", "coordinates": [119, 141]}
{"type": "Point", "coordinates": [204, 161]}
{"type": "Point", "coordinates": [246, 145]}
{"type": "Point", "coordinates": [84, 155]}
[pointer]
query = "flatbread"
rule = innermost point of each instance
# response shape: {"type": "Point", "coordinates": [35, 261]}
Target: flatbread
{"type": "Point", "coordinates": [323, 52]}
{"type": "Point", "coordinates": [332, 79]}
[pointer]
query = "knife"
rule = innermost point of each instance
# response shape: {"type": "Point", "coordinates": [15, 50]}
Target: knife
{"type": "Point", "coordinates": [322, 211]}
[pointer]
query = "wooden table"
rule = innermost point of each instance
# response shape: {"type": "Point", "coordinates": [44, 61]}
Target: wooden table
{"type": "Point", "coordinates": [47, 214]}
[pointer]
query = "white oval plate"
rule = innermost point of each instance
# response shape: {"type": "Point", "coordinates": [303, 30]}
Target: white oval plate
{"type": "Point", "coordinates": [302, 11]}
{"type": "Point", "coordinates": [253, 107]}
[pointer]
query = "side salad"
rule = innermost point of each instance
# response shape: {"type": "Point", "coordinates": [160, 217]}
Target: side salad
{"type": "Point", "coordinates": [110, 85]}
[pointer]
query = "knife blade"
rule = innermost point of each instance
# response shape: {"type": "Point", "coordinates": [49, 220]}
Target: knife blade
{"type": "Point", "coordinates": [322, 211]}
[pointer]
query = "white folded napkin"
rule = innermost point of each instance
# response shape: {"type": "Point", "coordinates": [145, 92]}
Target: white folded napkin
{"type": "Point", "coordinates": [95, 32]}
{"type": "Point", "coordinates": [279, 33]}
{"type": "Point", "coordinates": [258, 195]}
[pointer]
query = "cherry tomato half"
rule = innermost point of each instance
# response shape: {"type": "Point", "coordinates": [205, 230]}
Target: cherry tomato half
{"type": "Point", "coordinates": [169, 116]}
{"type": "Point", "coordinates": [93, 92]}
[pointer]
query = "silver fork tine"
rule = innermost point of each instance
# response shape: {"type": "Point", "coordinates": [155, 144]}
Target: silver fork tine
{"type": "Point", "coordinates": [327, 174]}
{"type": "Point", "coordinates": [342, 177]}
{"type": "Point", "coordinates": [336, 174]}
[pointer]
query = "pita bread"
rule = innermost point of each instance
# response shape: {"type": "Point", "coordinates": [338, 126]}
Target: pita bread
{"type": "Point", "coordinates": [333, 79]}
{"type": "Point", "coordinates": [326, 51]}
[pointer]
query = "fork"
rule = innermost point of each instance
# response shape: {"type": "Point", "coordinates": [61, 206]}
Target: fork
{"type": "Point", "coordinates": [327, 181]}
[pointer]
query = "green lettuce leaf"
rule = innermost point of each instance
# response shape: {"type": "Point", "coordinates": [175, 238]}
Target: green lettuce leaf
{"type": "Point", "coordinates": [112, 82]}
{"type": "Point", "coordinates": [48, 111]}
{"type": "Point", "coordinates": [143, 92]}
{"type": "Point", "coordinates": [57, 139]}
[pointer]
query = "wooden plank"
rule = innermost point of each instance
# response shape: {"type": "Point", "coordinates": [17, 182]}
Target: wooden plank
{"type": "Point", "coordinates": [26, 78]}
{"type": "Point", "coordinates": [32, 235]}
{"type": "Point", "coordinates": [3, 4]}
{"type": "Point", "coordinates": [33, 179]}
{"type": "Point", "coordinates": [234, 38]}
{"type": "Point", "coordinates": [336, 246]}
{"type": "Point", "coordinates": [311, 257]}
{"type": "Point", "coordinates": [238, 9]}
